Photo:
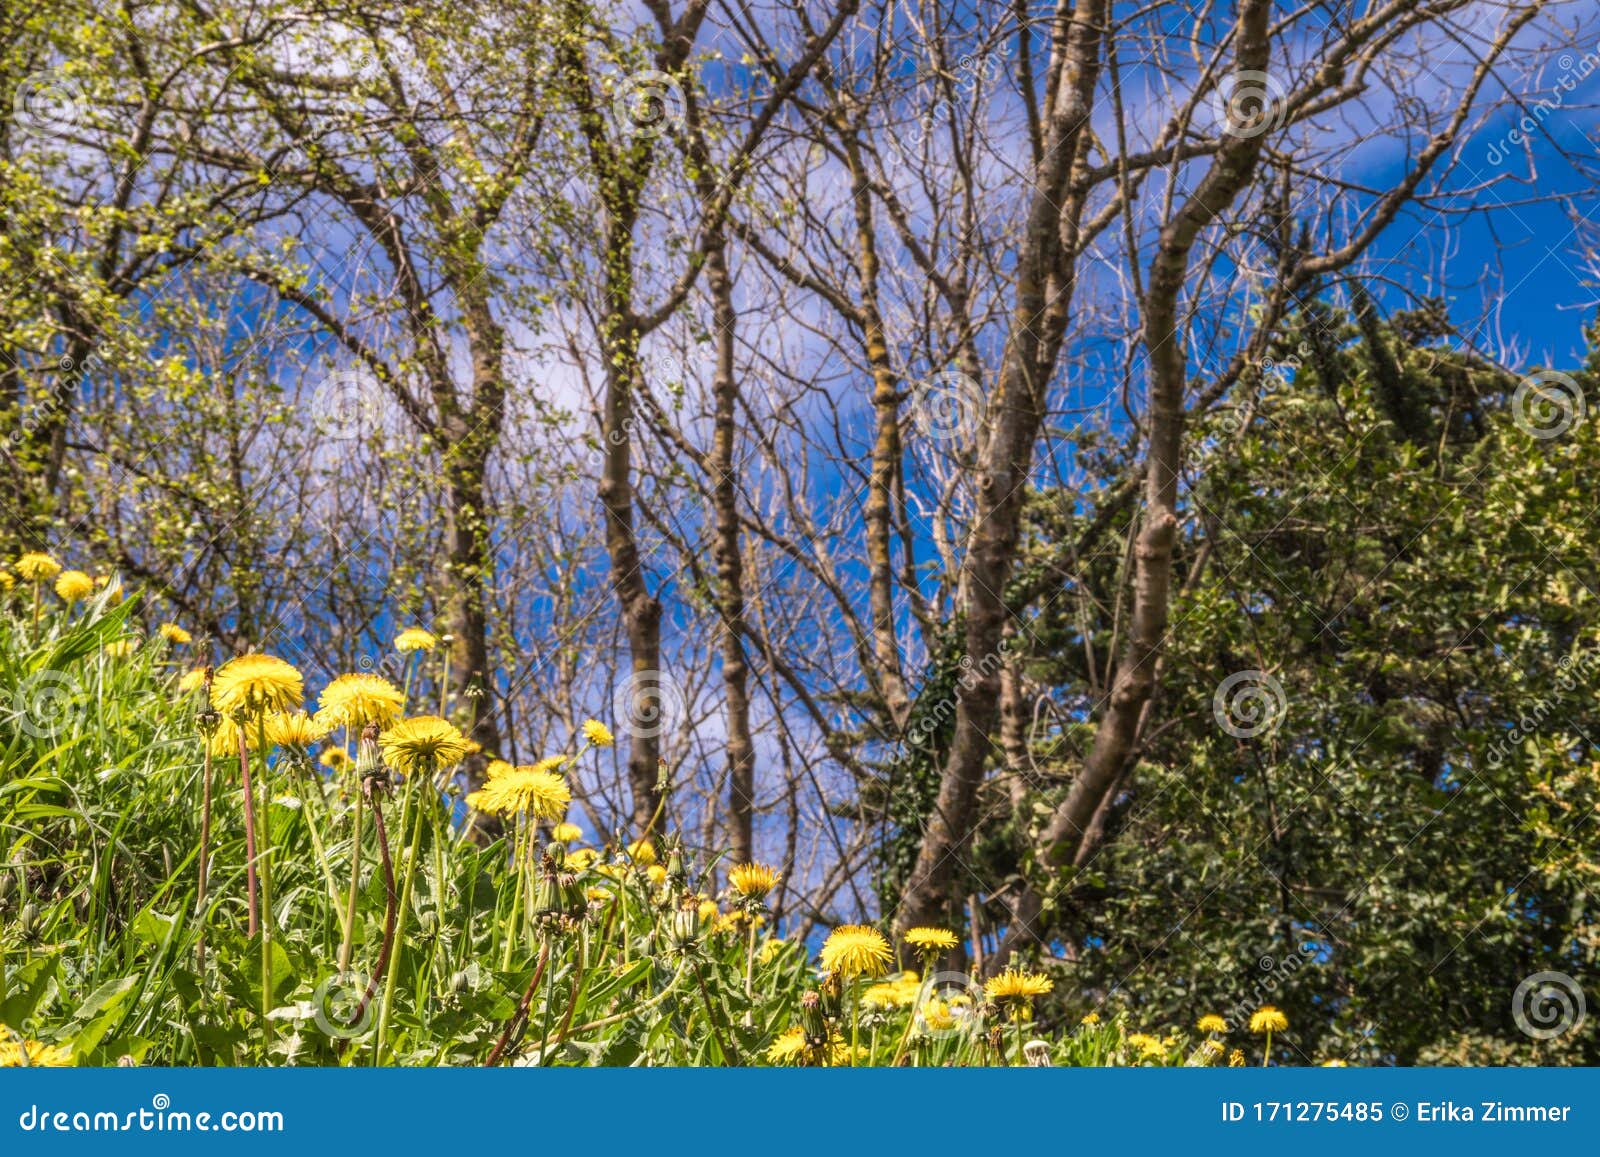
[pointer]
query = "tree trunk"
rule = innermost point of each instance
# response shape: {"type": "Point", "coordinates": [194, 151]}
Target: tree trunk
{"type": "Point", "coordinates": [730, 565]}
{"type": "Point", "coordinates": [1116, 736]}
{"type": "Point", "coordinates": [879, 510]}
{"type": "Point", "coordinates": [467, 567]}
{"type": "Point", "coordinates": [646, 692]}
{"type": "Point", "coordinates": [1043, 290]}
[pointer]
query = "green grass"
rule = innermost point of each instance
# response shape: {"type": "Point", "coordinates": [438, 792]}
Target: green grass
{"type": "Point", "coordinates": [108, 952]}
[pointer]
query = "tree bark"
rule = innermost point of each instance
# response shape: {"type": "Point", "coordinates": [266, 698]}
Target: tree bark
{"type": "Point", "coordinates": [1038, 320]}
{"type": "Point", "coordinates": [1116, 735]}
{"type": "Point", "coordinates": [730, 564]}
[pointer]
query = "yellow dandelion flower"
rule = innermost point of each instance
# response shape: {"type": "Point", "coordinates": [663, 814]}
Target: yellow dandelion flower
{"type": "Point", "coordinates": [255, 683]}
{"type": "Point", "coordinates": [656, 874]}
{"type": "Point", "coordinates": [1268, 1019]}
{"type": "Point", "coordinates": [708, 911]}
{"type": "Point", "coordinates": [856, 950]}
{"type": "Point", "coordinates": [192, 681]}
{"type": "Point", "coordinates": [415, 639]}
{"type": "Point", "coordinates": [579, 858]}
{"type": "Point", "coordinates": [1236, 1059]}
{"type": "Point", "coordinates": [550, 763]}
{"type": "Point", "coordinates": [1090, 1018]}
{"type": "Point", "coordinates": [524, 791]}
{"type": "Point", "coordinates": [931, 940]}
{"type": "Point", "coordinates": [74, 586]}
{"type": "Point", "coordinates": [1211, 1051]}
{"type": "Point", "coordinates": [1149, 1047]}
{"type": "Point", "coordinates": [839, 1051]}
{"type": "Point", "coordinates": [937, 1016]}
{"type": "Point", "coordinates": [225, 740]}
{"type": "Point", "coordinates": [1015, 985]}
{"type": "Point", "coordinates": [789, 1048]}
{"type": "Point", "coordinates": [121, 648]}
{"type": "Point", "coordinates": [1211, 1022]}
{"type": "Point", "coordinates": [335, 759]}
{"type": "Point", "coordinates": [175, 634]}
{"type": "Point", "coordinates": [423, 744]}
{"type": "Point", "coordinates": [565, 833]}
{"type": "Point", "coordinates": [294, 729]}
{"type": "Point", "coordinates": [1336, 1063]}
{"type": "Point", "coordinates": [497, 767]}
{"type": "Point", "coordinates": [354, 701]}
{"type": "Point", "coordinates": [753, 881]}
{"type": "Point", "coordinates": [597, 733]}
{"type": "Point", "coordinates": [771, 949]}
{"type": "Point", "coordinates": [900, 992]}
{"type": "Point", "coordinates": [17, 1052]}
{"type": "Point", "coordinates": [37, 567]}
{"type": "Point", "coordinates": [642, 852]}
{"type": "Point", "coordinates": [8, 581]}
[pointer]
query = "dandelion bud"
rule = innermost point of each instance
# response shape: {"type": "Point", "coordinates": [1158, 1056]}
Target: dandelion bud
{"type": "Point", "coordinates": [367, 764]}
{"type": "Point", "coordinates": [28, 919]}
{"type": "Point", "coordinates": [548, 901]}
{"type": "Point", "coordinates": [676, 876]}
{"type": "Point", "coordinates": [683, 930]}
{"type": "Point", "coordinates": [812, 1021]}
{"type": "Point", "coordinates": [574, 898]}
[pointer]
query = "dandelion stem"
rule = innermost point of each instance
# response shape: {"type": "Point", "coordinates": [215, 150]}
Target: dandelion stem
{"type": "Point", "coordinates": [911, 1023]}
{"type": "Point", "coordinates": [305, 788]}
{"type": "Point", "coordinates": [855, 1016]}
{"type": "Point", "coordinates": [205, 857]}
{"type": "Point", "coordinates": [249, 833]}
{"type": "Point", "coordinates": [520, 1017]}
{"type": "Point", "coordinates": [729, 1057]}
{"type": "Point", "coordinates": [347, 943]}
{"type": "Point", "coordinates": [264, 841]}
{"type": "Point", "coordinates": [390, 903]}
{"type": "Point", "coordinates": [415, 820]}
